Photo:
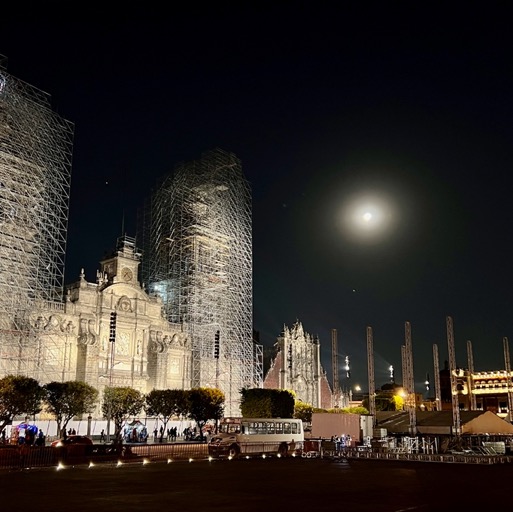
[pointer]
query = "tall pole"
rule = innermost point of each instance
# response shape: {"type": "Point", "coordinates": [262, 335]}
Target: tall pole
{"type": "Point", "coordinates": [508, 374]}
{"type": "Point", "coordinates": [470, 361]}
{"type": "Point", "coordinates": [112, 340]}
{"type": "Point", "coordinates": [436, 365]}
{"type": "Point", "coordinates": [334, 367]}
{"type": "Point", "coordinates": [454, 383]}
{"type": "Point", "coordinates": [412, 412]}
{"type": "Point", "coordinates": [217, 348]}
{"type": "Point", "coordinates": [370, 369]}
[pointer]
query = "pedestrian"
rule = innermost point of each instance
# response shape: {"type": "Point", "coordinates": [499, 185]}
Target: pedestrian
{"type": "Point", "coordinates": [40, 441]}
{"type": "Point", "coordinates": [102, 436]}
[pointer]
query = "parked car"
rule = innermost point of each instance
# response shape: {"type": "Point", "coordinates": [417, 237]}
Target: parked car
{"type": "Point", "coordinates": [72, 440]}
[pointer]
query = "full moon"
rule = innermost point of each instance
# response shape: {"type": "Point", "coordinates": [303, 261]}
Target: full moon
{"type": "Point", "coordinates": [368, 217]}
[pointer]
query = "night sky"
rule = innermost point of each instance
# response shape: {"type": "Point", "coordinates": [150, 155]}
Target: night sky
{"type": "Point", "coordinates": [332, 111]}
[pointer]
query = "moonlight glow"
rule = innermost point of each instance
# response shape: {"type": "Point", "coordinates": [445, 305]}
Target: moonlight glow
{"type": "Point", "coordinates": [368, 217]}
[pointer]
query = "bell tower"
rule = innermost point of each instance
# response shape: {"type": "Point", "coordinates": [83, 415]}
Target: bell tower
{"type": "Point", "coordinates": [123, 265]}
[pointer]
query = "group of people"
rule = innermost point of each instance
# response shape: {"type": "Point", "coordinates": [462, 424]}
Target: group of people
{"type": "Point", "coordinates": [29, 435]}
{"type": "Point", "coordinates": [171, 434]}
{"type": "Point", "coordinates": [135, 436]}
{"type": "Point", "coordinates": [342, 441]}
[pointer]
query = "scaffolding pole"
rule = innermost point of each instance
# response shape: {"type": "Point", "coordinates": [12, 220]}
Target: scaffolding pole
{"type": "Point", "coordinates": [454, 383]}
{"type": "Point", "coordinates": [507, 364]}
{"type": "Point", "coordinates": [370, 368]}
{"type": "Point", "coordinates": [410, 380]}
{"type": "Point", "coordinates": [470, 361]}
{"type": "Point", "coordinates": [436, 366]}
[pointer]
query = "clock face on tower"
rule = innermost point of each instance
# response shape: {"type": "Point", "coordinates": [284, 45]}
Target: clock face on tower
{"type": "Point", "coordinates": [126, 274]}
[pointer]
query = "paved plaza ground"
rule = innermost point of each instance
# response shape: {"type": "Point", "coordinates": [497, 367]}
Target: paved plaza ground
{"type": "Point", "coordinates": [256, 485]}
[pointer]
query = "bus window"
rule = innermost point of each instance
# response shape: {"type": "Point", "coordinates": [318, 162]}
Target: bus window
{"type": "Point", "coordinates": [286, 428]}
{"type": "Point", "coordinates": [279, 427]}
{"type": "Point", "coordinates": [270, 428]}
{"type": "Point", "coordinates": [294, 428]}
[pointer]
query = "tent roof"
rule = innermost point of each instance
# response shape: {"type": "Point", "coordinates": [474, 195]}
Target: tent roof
{"type": "Point", "coordinates": [135, 423]}
{"type": "Point", "coordinates": [440, 422]}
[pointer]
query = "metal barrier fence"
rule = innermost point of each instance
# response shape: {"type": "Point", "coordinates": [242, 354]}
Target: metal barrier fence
{"type": "Point", "coordinates": [165, 451]}
{"type": "Point", "coordinates": [12, 457]}
{"type": "Point", "coordinates": [431, 457]}
{"type": "Point", "coordinates": [24, 456]}
{"type": "Point", "coordinates": [20, 457]}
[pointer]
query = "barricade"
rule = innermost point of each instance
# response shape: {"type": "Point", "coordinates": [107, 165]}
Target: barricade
{"type": "Point", "coordinates": [424, 457]}
{"type": "Point", "coordinates": [311, 449]}
{"type": "Point", "coordinates": [175, 451]}
{"type": "Point", "coordinates": [24, 456]}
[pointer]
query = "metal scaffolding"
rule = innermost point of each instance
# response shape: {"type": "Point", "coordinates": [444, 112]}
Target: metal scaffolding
{"type": "Point", "coordinates": [454, 383]}
{"type": "Point", "coordinates": [35, 172]}
{"type": "Point", "coordinates": [436, 367]}
{"type": "Point", "coordinates": [196, 236]}
{"type": "Point", "coordinates": [409, 379]}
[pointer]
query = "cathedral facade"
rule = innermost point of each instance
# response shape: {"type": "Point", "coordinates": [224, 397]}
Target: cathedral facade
{"type": "Point", "coordinates": [297, 367]}
{"type": "Point", "coordinates": [74, 342]}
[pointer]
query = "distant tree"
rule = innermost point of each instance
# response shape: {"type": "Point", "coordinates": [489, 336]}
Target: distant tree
{"type": "Point", "coordinates": [66, 400]}
{"type": "Point", "coordinates": [119, 403]}
{"type": "Point", "coordinates": [267, 403]}
{"type": "Point", "coordinates": [303, 411]}
{"type": "Point", "coordinates": [166, 403]}
{"type": "Point", "coordinates": [205, 404]}
{"type": "Point", "coordinates": [19, 395]}
{"type": "Point", "coordinates": [256, 403]}
{"type": "Point", "coordinates": [385, 402]}
{"type": "Point", "coordinates": [357, 410]}
{"type": "Point", "coordinates": [182, 402]}
{"type": "Point", "coordinates": [398, 402]}
{"type": "Point", "coordinates": [346, 410]}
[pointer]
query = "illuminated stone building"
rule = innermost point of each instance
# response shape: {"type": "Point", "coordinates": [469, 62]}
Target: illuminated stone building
{"type": "Point", "coordinates": [482, 391]}
{"type": "Point", "coordinates": [74, 341]}
{"type": "Point", "coordinates": [297, 367]}
{"type": "Point", "coordinates": [147, 352]}
{"type": "Point", "coordinates": [194, 326]}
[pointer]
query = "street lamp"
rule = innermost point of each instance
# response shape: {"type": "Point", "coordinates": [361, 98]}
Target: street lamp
{"type": "Point", "coordinates": [112, 340]}
{"type": "Point", "coordinates": [108, 375]}
{"type": "Point", "coordinates": [357, 390]}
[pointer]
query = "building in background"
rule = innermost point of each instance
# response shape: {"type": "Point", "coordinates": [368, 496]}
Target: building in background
{"type": "Point", "coordinates": [478, 390]}
{"type": "Point", "coordinates": [196, 236]}
{"type": "Point", "coordinates": [36, 147]}
{"type": "Point", "coordinates": [297, 367]}
{"type": "Point", "coordinates": [193, 328]}
{"type": "Point", "coordinates": [144, 351]}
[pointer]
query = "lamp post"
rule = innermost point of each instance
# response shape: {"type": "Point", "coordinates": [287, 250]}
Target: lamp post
{"type": "Point", "coordinates": [216, 354]}
{"type": "Point", "coordinates": [112, 340]}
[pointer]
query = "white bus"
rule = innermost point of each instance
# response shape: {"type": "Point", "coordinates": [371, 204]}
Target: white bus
{"type": "Point", "coordinates": [257, 436]}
